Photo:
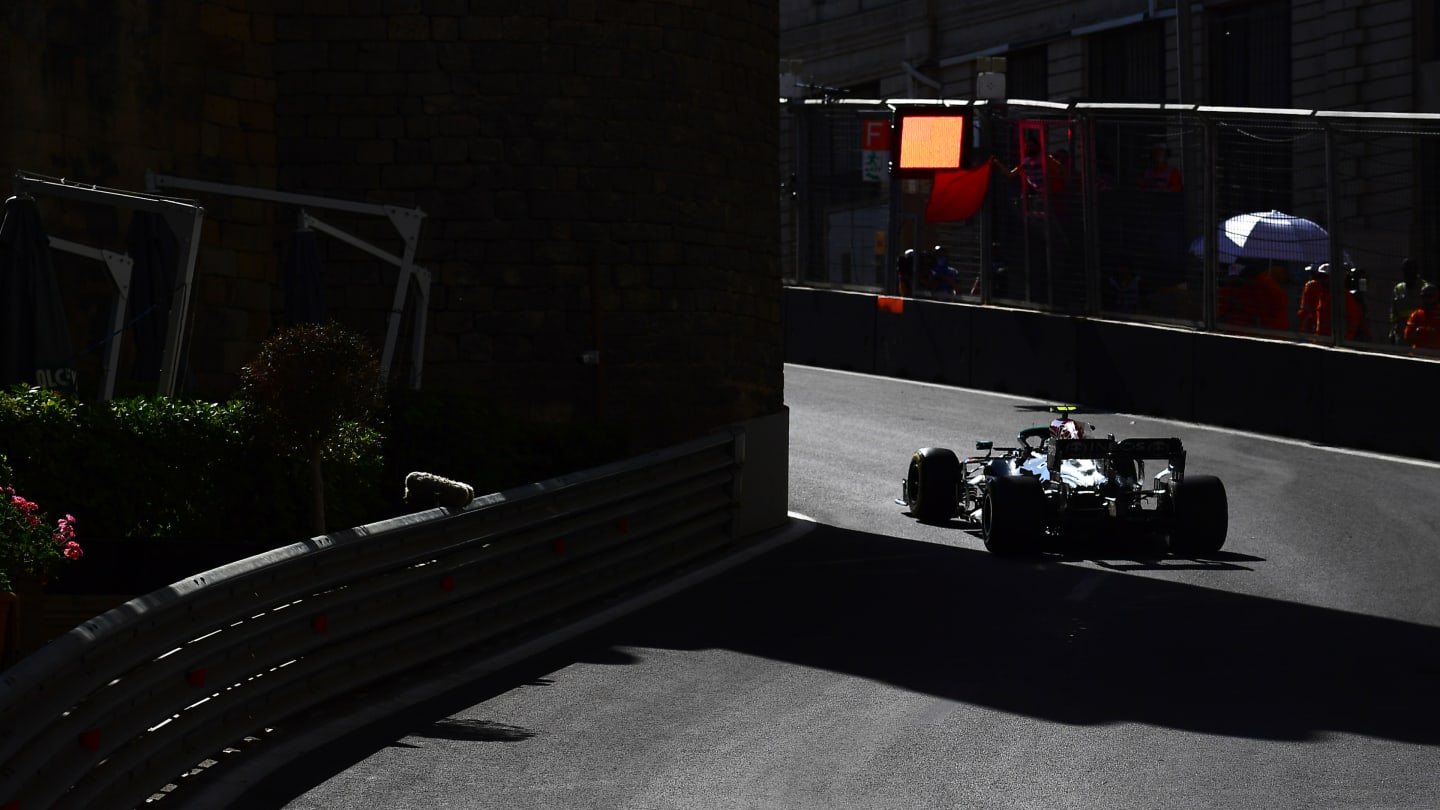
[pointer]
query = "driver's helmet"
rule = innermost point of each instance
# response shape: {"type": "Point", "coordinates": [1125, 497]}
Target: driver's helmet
{"type": "Point", "coordinates": [1066, 428]}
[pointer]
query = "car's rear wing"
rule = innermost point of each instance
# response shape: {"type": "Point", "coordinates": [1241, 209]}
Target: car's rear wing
{"type": "Point", "coordinates": [1170, 450]}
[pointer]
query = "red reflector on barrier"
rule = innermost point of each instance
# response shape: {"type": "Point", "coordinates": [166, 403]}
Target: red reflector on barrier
{"type": "Point", "coordinates": [320, 624]}
{"type": "Point", "coordinates": [90, 740]}
{"type": "Point", "coordinates": [196, 677]}
{"type": "Point", "coordinates": [891, 304]}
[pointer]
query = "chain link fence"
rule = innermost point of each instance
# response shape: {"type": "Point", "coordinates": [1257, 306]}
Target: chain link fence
{"type": "Point", "coordinates": [1210, 218]}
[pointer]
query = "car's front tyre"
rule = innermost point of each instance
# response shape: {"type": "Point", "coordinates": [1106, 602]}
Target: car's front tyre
{"type": "Point", "coordinates": [932, 484]}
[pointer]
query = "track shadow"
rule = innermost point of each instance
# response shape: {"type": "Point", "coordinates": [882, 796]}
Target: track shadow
{"type": "Point", "coordinates": [1031, 636]}
{"type": "Point", "coordinates": [1136, 552]}
{"type": "Point", "coordinates": [921, 616]}
{"type": "Point", "coordinates": [455, 728]}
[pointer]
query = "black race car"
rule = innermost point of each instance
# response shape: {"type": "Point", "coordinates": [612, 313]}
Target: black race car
{"type": "Point", "coordinates": [1060, 482]}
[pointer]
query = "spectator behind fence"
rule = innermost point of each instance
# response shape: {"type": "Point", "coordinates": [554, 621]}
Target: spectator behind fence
{"type": "Point", "coordinates": [939, 276]}
{"type": "Point", "coordinates": [905, 271]}
{"type": "Point", "coordinates": [1233, 304]}
{"type": "Point", "coordinates": [944, 273]}
{"type": "Point", "coordinates": [1315, 307]}
{"type": "Point", "coordinates": [1250, 298]}
{"type": "Point", "coordinates": [1356, 281]}
{"type": "Point", "coordinates": [1160, 176]}
{"type": "Point", "coordinates": [1271, 302]}
{"type": "Point", "coordinates": [1317, 279]}
{"type": "Point", "coordinates": [1422, 328]}
{"type": "Point", "coordinates": [1031, 167]}
{"type": "Point", "coordinates": [1122, 289]}
{"type": "Point", "coordinates": [1405, 299]}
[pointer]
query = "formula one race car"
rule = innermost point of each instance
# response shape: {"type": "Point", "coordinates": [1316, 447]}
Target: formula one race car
{"type": "Point", "coordinates": [1059, 482]}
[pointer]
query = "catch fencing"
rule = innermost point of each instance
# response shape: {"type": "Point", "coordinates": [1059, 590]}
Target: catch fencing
{"type": "Point", "coordinates": [1120, 210]}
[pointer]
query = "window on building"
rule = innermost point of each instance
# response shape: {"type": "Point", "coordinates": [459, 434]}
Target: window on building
{"type": "Point", "coordinates": [1027, 74]}
{"type": "Point", "coordinates": [1427, 32]}
{"type": "Point", "coordinates": [1248, 65]}
{"type": "Point", "coordinates": [1249, 55]}
{"type": "Point", "coordinates": [1128, 64]}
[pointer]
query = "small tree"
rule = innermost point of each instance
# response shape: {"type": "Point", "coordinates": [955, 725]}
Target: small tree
{"type": "Point", "coordinates": [306, 383]}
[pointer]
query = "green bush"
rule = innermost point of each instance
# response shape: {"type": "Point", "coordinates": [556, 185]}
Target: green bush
{"type": "Point", "coordinates": [196, 484]}
{"type": "Point", "coordinates": [171, 468]}
{"type": "Point", "coordinates": [158, 468]}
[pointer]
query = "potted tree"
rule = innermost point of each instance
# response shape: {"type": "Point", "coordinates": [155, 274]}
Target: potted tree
{"type": "Point", "coordinates": [307, 381]}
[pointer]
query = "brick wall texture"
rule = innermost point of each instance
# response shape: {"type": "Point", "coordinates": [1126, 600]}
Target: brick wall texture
{"type": "Point", "coordinates": [595, 174]}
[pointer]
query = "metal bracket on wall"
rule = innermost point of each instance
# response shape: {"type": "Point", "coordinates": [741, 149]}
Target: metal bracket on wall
{"type": "Point", "coordinates": [121, 268]}
{"type": "Point", "coordinates": [408, 271]}
{"type": "Point", "coordinates": [406, 221]}
{"type": "Point", "coordinates": [185, 218]}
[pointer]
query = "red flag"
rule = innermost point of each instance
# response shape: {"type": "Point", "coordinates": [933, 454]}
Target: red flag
{"type": "Point", "coordinates": [957, 195]}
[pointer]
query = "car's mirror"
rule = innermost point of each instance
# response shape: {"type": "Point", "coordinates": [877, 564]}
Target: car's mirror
{"type": "Point", "coordinates": [984, 445]}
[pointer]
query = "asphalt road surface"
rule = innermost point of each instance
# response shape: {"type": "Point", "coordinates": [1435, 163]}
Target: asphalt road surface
{"type": "Point", "coordinates": [877, 662]}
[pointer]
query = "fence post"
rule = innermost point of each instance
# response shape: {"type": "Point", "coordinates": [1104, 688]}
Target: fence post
{"type": "Point", "coordinates": [1211, 228]}
{"type": "Point", "coordinates": [803, 202]}
{"type": "Point", "coordinates": [1332, 225]}
{"type": "Point", "coordinates": [1090, 213]}
{"type": "Point", "coordinates": [893, 217]}
{"type": "Point", "coordinates": [985, 122]}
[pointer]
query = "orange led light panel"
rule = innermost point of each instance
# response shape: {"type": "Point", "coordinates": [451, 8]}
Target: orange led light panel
{"type": "Point", "coordinates": [931, 141]}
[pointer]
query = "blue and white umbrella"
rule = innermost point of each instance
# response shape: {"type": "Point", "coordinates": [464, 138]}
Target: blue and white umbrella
{"type": "Point", "coordinates": [1269, 235]}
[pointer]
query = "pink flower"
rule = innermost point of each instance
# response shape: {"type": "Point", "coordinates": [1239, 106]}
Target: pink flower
{"type": "Point", "coordinates": [65, 529]}
{"type": "Point", "coordinates": [30, 548]}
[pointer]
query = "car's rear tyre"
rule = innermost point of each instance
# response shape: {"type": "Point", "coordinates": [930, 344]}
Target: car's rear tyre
{"type": "Point", "coordinates": [1201, 515]}
{"type": "Point", "coordinates": [1012, 516]}
{"type": "Point", "coordinates": [933, 483]}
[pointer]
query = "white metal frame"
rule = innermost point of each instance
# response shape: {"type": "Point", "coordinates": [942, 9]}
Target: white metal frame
{"type": "Point", "coordinates": [406, 221]}
{"type": "Point", "coordinates": [121, 268]}
{"type": "Point", "coordinates": [185, 218]}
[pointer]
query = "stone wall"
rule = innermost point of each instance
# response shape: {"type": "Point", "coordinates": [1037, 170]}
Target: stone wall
{"type": "Point", "coordinates": [103, 93]}
{"type": "Point", "coordinates": [596, 174]}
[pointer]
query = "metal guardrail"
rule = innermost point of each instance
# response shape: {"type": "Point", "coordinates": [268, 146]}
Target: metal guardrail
{"type": "Point", "coordinates": [111, 712]}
